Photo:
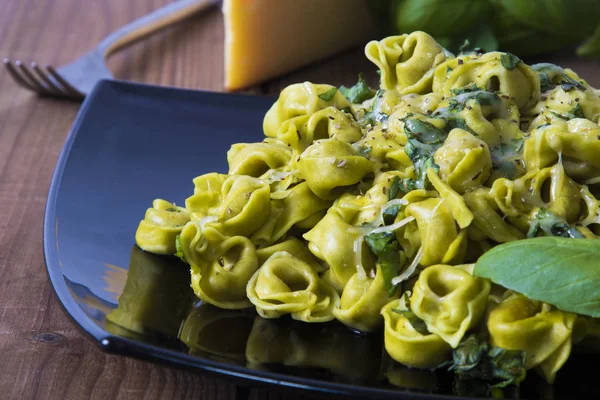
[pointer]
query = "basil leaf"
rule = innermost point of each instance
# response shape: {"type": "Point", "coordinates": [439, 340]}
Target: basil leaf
{"type": "Point", "coordinates": [509, 61]}
{"type": "Point", "coordinates": [475, 358]}
{"type": "Point", "coordinates": [375, 115]}
{"type": "Point", "coordinates": [417, 323]}
{"type": "Point", "coordinates": [567, 83]}
{"type": "Point", "coordinates": [394, 188]}
{"type": "Point", "coordinates": [387, 249]}
{"type": "Point", "coordinates": [423, 131]}
{"type": "Point", "coordinates": [328, 95]}
{"type": "Point", "coordinates": [546, 221]}
{"type": "Point", "coordinates": [390, 214]}
{"type": "Point", "coordinates": [471, 87]}
{"type": "Point", "coordinates": [179, 251]}
{"type": "Point", "coordinates": [577, 111]}
{"type": "Point", "coordinates": [359, 92]}
{"type": "Point", "coordinates": [506, 156]}
{"type": "Point", "coordinates": [559, 271]}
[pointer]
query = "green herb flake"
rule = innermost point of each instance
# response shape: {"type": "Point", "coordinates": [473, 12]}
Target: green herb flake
{"type": "Point", "coordinates": [328, 95]}
{"type": "Point", "coordinates": [387, 249]}
{"type": "Point", "coordinates": [359, 92]}
{"type": "Point", "coordinates": [364, 150]}
{"type": "Point", "coordinates": [179, 251]}
{"type": "Point", "coordinates": [509, 61]}
{"type": "Point", "coordinates": [390, 214]}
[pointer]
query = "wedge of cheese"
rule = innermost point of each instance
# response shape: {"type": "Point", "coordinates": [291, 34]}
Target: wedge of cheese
{"type": "Point", "coordinates": [267, 38]}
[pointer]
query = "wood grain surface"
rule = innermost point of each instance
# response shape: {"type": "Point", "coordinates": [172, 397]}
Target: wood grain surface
{"type": "Point", "coordinates": [42, 354]}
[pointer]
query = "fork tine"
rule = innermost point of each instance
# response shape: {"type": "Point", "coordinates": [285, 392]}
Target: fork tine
{"type": "Point", "coordinates": [17, 76]}
{"type": "Point", "coordinates": [66, 85]}
{"type": "Point", "coordinates": [39, 87]}
{"type": "Point", "coordinates": [43, 76]}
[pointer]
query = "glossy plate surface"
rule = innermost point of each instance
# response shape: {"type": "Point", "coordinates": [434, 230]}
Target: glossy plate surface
{"type": "Point", "coordinates": [133, 143]}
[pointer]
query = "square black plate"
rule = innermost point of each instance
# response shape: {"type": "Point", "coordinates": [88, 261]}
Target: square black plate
{"type": "Point", "coordinates": [133, 143]}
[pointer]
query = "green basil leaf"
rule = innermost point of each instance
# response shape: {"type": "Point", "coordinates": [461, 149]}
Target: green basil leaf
{"type": "Point", "coordinates": [390, 214]}
{"type": "Point", "coordinates": [328, 95]}
{"type": "Point", "coordinates": [556, 270]}
{"type": "Point", "coordinates": [359, 92]}
{"type": "Point", "coordinates": [424, 132]}
{"type": "Point", "coordinates": [509, 61]}
{"type": "Point", "coordinates": [471, 87]}
{"type": "Point", "coordinates": [375, 115]}
{"type": "Point", "coordinates": [417, 323]}
{"type": "Point", "coordinates": [394, 188]}
{"type": "Point", "coordinates": [546, 221]}
{"type": "Point", "coordinates": [577, 111]}
{"type": "Point", "coordinates": [387, 249]}
{"type": "Point", "coordinates": [475, 358]}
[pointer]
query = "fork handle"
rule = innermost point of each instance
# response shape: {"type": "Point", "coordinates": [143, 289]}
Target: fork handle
{"type": "Point", "coordinates": [151, 23]}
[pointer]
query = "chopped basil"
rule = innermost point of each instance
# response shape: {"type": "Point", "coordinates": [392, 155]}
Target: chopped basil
{"type": "Point", "coordinates": [567, 83]}
{"type": "Point", "coordinates": [328, 95]}
{"type": "Point", "coordinates": [577, 111]}
{"type": "Point", "coordinates": [475, 358]}
{"type": "Point", "coordinates": [471, 87]}
{"type": "Point", "coordinates": [394, 188]}
{"type": "Point", "coordinates": [359, 92]}
{"type": "Point", "coordinates": [509, 61]}
{"type": "Point", "coordinates": [551, 225]}
{"type": "Point", "coordinates": [364, 150]}
{"type": "Point", "coordinates": [387, 249]}
{"type": "Point", "coordinates": [417, 323]}
{"type": "Point", "coordinates": [390, 214]}
{"type": "Point", "coordinates": [375, 115]}
{"type": "Point", "coordinates": [506, 156]}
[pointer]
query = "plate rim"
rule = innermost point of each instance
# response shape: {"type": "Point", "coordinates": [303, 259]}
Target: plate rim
{"type": "Point", "coordinates": [127, 347]}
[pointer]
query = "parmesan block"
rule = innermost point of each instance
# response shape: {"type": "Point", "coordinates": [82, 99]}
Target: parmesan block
{"type": "Point", "coordinates": [267, 38]}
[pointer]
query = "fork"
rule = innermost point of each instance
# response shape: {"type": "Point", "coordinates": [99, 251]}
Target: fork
{"type": "Point", "coordinates": [75, 80]}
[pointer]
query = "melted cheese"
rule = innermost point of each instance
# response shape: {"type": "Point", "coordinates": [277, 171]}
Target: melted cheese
{"type": "Point", "coordinates": [266, 38]}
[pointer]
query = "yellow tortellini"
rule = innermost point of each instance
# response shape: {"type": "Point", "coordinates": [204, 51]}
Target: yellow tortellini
{"type": "Point", "coordinates": [361, 302]}
{"type": "Point", "coordinates": [544, 333]}
{"type": "Point", "coordinates": [488, 72]}
{"type": "Point", "coordinates": [450, 301]}
{"type": "Point", "coordinates": [330, 166]}
{"type": "Point", "coordinates": [366, 207]}
{"type": "Point", "coordinates": [285, 284]}
{"type": "Point", "coordinates": [161, 225]}
{"type": "Point", "coordinates": [301, 99]}
{"type": "Point", "coordinates": [407, 345]}
{"type": "Point", "coordinates": [464, 160]}
{"type": "Point", "coordinates": [220, 266]}
{"type": "Point", "coordinates": [406, 62]}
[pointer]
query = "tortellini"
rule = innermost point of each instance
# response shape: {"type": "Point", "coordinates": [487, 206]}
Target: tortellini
{"type": "Point", "coordinates": [220, 266]}
{"type": "Point", "coordinates": [450, 301]}
{"type": "Point", "coordinates": [301, 99]}
{"type": "Point", "coordinates": [545, 334]}
{"type": "Point", "coordinates": [361, 302]}
{"type": "Point", "coordinates": [407, 345]}
{"type": "Point", "coordinates": [406, 62]}
{"type": "Point", "coordinates": [158, 230]}
{"type": "Point", "coordinates": [285, 284]}
{"type": "Point", "coordinates": [366, 206]}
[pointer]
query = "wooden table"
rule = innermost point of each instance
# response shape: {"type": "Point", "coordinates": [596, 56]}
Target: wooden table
{"type": "Point", "coordinates": [42, 353]}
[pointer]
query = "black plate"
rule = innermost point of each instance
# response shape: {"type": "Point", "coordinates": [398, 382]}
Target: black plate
{"type": "Point", "coordinates": [132, 143]}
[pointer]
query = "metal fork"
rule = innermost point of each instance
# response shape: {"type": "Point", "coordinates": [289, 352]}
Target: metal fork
{"type": "Point", "coordinates": [75, 80]}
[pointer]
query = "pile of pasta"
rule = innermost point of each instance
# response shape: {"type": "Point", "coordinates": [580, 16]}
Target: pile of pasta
{"type": "Point", "coordinates": [371, 207]}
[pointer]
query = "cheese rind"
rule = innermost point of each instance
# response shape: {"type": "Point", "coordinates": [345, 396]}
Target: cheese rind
{"type": "Point", "coordinates": [267, 38]}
